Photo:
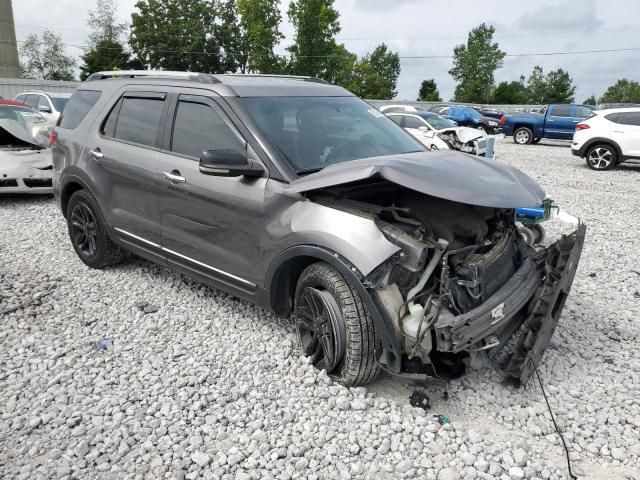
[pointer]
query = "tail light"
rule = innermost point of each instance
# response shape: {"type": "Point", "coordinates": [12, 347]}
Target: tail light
{"type": "Point", "coordinates": [503, 120]}
{"type": "Point", "coordinates": [52, 138]}
{"type": "Point", "coordinates": [582, 126]}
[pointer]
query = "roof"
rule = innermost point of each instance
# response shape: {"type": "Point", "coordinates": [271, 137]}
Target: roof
{"type": "Point", "coordinates": [618, 110]}
{"type": "Point", "coordinates": [51, 94]}
{"type": "Point", "coordinates": [225, 85]}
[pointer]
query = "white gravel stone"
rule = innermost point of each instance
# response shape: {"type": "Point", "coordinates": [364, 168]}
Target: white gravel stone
{"type": "Point", "coordinates": [209, 386]}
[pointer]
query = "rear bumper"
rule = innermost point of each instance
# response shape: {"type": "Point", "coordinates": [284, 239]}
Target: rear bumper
{"type": "Point", "coordinates": [578, 152]}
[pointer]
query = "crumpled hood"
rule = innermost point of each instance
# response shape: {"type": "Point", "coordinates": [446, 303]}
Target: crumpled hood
{"type": "Point", "coordinates": [464, 134]}
{"type": "Point", "coordinates": [12, 133]}
{"type": "Point", "coordinates": [444, 174]}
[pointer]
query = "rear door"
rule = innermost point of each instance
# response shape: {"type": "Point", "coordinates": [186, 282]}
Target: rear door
{"type": "Point", "coordinates": [560, 122]}
{"type": "Point", "coordinates": [211, 226]}
{"type": "Point", "coordinates": [121, 155]}
{"type": "Point", "coordinates": [629, 140]}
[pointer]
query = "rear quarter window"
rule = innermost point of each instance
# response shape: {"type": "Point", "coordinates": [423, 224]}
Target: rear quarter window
{"type": "Point", "coordinates": [80, 104]}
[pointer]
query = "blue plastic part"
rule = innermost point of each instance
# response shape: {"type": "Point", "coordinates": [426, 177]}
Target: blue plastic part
{"type": "Point", "coordinates": [533, 212]}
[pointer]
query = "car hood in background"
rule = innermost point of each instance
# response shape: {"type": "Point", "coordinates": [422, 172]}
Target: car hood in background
{"type": "Point", "coordinates": [464, 134]}
{"type": "Point", "coordinates": [13, 133]}
{"type": "Point", "coordinates": [444, 174]}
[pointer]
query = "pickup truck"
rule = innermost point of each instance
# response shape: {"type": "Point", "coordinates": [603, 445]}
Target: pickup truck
{"type": "Point", "coordinates": [557, 121]}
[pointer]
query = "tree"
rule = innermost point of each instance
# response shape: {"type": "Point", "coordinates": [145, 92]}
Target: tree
{"type": "Point", "coordinates": [623, 91]}
{"type": "Point", "coordinates": [374, 76]}
{"type": "Point", "coordinates": [260, 21]}
{"type": "Point", "coordinates": [44, 58]}
{"type": "Point", "coordinates": [103, 23]}
{"type": "Point", "coordinates": [316, 24]}
{"type": "Point", "coordinates": [511, 93]}
{"type": "Point", "coordinates": [181, 35]}
{"type": "Point", "coordinates": [106, 50]}
{"type": "Point", "coordinates": [429, 91]}
{"type": "Point", "coordinates": [106, 55]}
{"type": "Point", "coordinates": [474, 65]}
{"type": "Point", "coordinates": [591, 101]}
{"type": "Point", "coordinates": [554, 87]}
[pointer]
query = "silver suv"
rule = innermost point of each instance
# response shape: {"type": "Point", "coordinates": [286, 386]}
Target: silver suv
{"type": "Point", "coordinates": [296, 195]}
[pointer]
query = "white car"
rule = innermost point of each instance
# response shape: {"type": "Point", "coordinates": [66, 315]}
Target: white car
{"type": "Point", "coordinates": [608, 138]}
{"type": "Point", "coordinates": [438, 133]}
{"type": "Point", "coordinates": [49, 104]}
{"type": "Point", "coordinates": [25, 160]}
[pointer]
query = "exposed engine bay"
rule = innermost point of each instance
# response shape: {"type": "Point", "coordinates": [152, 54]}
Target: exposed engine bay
{"type": "Point", "coordinates": [464, 281]}
{"type": "Point", "coordinates": [459, 139]}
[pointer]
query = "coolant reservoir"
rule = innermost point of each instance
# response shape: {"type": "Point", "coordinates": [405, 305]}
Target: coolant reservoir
{"type": "Point", "coordinates": [411, 329]}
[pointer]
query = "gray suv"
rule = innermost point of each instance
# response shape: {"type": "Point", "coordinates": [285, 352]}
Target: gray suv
{"type": "Point", "coordinates": [298, 196]}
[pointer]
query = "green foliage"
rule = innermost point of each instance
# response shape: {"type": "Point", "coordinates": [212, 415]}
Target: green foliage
{"type": "Point", "coordinates": [44, 58]}
{"type": "Point", "coordinates": [106, 55]}
{"type": "Point", "coordinates": [182, 35]}
{"type": "Point", "coordinates": [103, 23]}
{"type": "Point", "coordinates": [315, 51]}
{"type": "Point", "coordinates": [429, 91]}
{"type": "Point", "coordinates": [474, 65]}
{"type": "Point", "coordinates": [590, 101]}
{"type": "Point", "coordinates": [554, 87]}
{"type": "Point", "coordinates": [260, 22]}
{"type": "Point", "coordinates": [374, 76]}
{"type": "Point", "coordinates": [623, 91]}
{"type": "Point", "coordinates": [511, 93]}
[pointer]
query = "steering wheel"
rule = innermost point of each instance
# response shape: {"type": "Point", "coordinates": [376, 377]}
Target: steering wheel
{"type": "Point", "coordinates": [354, 149]}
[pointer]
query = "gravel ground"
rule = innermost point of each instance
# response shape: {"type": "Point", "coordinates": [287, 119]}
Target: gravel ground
{"type": "Point", "coordinates": [137, 372]}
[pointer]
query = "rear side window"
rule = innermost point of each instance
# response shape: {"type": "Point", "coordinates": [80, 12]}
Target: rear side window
{"type": "Point", "coordinates": [135, 118]}
{"type": "Point", "coordinates": [630, 118]}
{"type": "Point", "coordinates": [32, 100]}
{"type": "Point", "coordinates": [199, 127]}
{"type": "Point", "coordinates": [561, 110]}
{"type": "Point", "coordinates": [412, 122]}
{"type": "Point", "coordinates": [397, 119]}
{"type": "Point", "coordinates": [81, 102]}
{"type": "Point", "coordinates": [613, 117]}
{"type": "Point", "coordinates": [583, 112]}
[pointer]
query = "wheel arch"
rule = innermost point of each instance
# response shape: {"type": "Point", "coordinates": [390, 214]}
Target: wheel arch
{"type": "Point", "coordinates": [69, 188]}
{"type": "Point", "coordinates": [282, 278]}
{"type": "Point", "coordinates": [602, 140]}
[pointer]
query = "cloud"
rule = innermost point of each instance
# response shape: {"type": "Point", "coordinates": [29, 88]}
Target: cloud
{"type": "Point", "coordinates": [561, 16]}
{"type": "Point", "coordinates": [382, 4]}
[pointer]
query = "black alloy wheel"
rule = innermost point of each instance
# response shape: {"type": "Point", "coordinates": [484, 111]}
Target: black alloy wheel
{"type": "Point", "coordinates": [84, 229]}
{"type": "Point", "coordinates": [321, 328]}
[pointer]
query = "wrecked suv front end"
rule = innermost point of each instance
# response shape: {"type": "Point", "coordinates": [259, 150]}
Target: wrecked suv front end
{"type": "Point", "coordinates": [464, 280]}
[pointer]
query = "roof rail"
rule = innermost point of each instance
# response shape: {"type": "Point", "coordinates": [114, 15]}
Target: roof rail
{"type": "Point", "coordinates": [193, 76]}
{"type": "Point", "coordinates": [290, 77]}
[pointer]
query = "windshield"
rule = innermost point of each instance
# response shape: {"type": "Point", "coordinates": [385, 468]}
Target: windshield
{"type": "Point", "coordinates": [438, 123]}
{"type": "Point", "coordinates": [313, 132]}
{"type": "Point", "coordinates": [59, 103]}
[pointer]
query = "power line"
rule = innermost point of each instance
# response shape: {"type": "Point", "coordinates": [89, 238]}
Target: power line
{"type": "Point", "coordinates": [403, 57]}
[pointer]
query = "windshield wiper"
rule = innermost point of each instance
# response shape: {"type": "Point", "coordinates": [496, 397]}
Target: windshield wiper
{"type": "Point", "coordinates": [308, 171]}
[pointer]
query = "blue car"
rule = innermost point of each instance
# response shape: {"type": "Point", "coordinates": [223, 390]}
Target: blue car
{"type": "Point", "coordinates": [557, 121]}
{"type": "Point", "coordinates": [468, 117]}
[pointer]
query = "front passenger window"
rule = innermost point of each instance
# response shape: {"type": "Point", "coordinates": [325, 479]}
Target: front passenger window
{"type": "Point", "coordinates": [199, 127]}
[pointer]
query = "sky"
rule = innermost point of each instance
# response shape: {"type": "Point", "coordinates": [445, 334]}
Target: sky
{"type": "Point", "coordinates": [424, 28]}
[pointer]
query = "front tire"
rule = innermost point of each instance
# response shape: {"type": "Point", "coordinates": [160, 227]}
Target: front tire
{"type": "Point", "coordinates": [523, 136]}
{"type": "Point", "coordinates": [333, 326]}
{"type": "Point", "coordinates": [87, 230]}
{"type": "Point", "coordinates": [601, 157]}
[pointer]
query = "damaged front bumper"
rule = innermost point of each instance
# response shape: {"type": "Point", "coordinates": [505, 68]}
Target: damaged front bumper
{"type": "Point", "coordinates": [531, 302]}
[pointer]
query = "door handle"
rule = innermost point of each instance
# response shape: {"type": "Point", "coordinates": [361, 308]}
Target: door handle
{"type": "Point", "coordinates": [174, 177]}
{"type": "Point", "coordinates": [618, 131]}
{"type": "Point", "coordinates": [96, 153]}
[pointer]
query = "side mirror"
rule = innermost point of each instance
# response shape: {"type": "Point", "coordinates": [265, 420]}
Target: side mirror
{"type": "Point", "coordinates": [44, 109]}
{"type": "Point", "coordinates": [229, 163]}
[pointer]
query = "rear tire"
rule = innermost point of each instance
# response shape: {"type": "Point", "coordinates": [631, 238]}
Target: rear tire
{"type": "Point", "coordinates": [601, 157]}
{"type": "Point", "coordinates": [523, 136]}
{"type": "Point", "coordinates": [333, 326]}
{"type": "Point", "coordinates": [88, 233]}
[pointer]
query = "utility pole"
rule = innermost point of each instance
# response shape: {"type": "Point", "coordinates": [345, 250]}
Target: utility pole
{"type": "Point", "coordinates": [9, 66]}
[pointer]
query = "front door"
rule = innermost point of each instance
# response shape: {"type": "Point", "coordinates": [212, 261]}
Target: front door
{"type": "Point", "coordinates": [211, 226]}
{"type": "Point", "coordinates": [120, 158]}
